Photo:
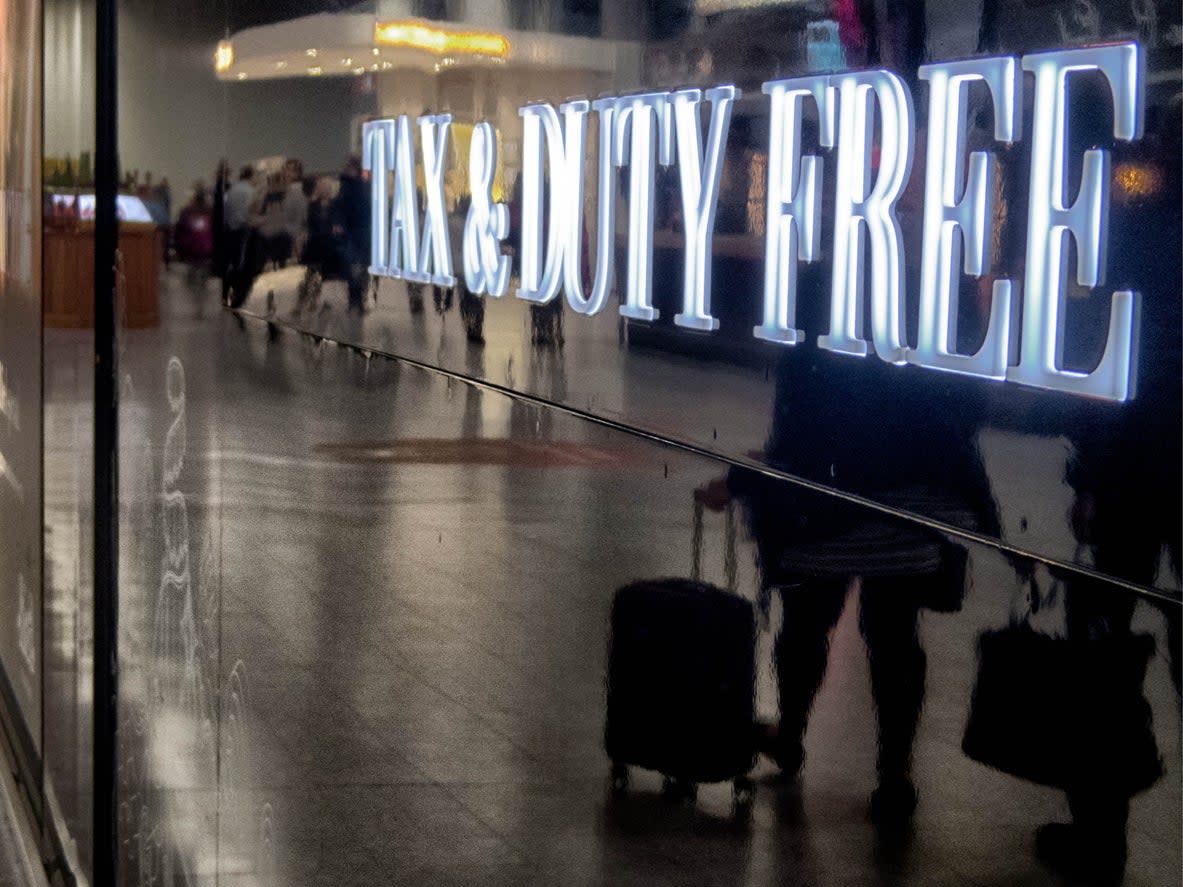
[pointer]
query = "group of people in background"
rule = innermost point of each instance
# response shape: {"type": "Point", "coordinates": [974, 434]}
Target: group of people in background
{"type": "Point", "coordinates": [265, 218]}
{"type": "Point", "coordinates": [261, 219]}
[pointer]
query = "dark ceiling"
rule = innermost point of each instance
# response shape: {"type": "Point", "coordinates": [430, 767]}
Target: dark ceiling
{"type": "Point", "coordinates": [205, 20]}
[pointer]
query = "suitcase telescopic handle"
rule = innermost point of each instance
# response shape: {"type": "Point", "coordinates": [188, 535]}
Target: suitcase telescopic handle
{"type": "Point", "coordinates": [730, 568]}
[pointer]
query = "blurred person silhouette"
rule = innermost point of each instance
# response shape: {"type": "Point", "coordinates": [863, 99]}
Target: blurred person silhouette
{"type": "Point", "coordinates": [322, 248]}
{"type": "Point", "coordinates": [1113, 755]}
{"type": "Point", "coordinates": [218, 198]}
{"type": "Point", "coordinates": [194, 234]}
{"type": "Point", "coordinates": [1127, 464]}
{"type": "Point", "coordinates": [295, 204]}
{"type": "Point", "coordinates": [872, 429]}
{"type": "Point", "coordinates": [271, 233]}
{"type": "Point", "coordinates": [1059, 701]}
{"type": "Point", "coordinates": [1071, 711]}
{"type": "Point", "coordinates": [236, 218]}
{"type": "Point", "coordinates": [1125, 473]}
{"type": "Point", "coordinates": [546, 321]}
{"type": "Point", "coordinates": [165, 195]}
{"type": "Point", "coordinates": [471, 306]}
{"type": "Point", "coordinates": [351, 216]}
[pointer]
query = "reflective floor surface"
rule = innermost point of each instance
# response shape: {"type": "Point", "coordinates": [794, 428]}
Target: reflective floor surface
{"type": "Point", "coordinates": [18, 867]}
{"type": "Point", "coordinates": [357, 652]}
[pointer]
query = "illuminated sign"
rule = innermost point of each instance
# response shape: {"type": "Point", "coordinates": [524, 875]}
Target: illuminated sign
{"type": "Point", "coordinates": [644, 130]}
{"type": "Point", "coordinates": [953, 205]}
{"type": "Point", "coordinates": [486, 270]}
{"type": "Point", "coordinates": [395, 251]}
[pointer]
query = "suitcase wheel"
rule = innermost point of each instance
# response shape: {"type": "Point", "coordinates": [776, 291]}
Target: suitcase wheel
{"type": "Point", "coordinates": [743, 795]}
{"type": "Point", "coordinates": [678, 790]}
{"type": "Point", "coordinates": [619, 782]}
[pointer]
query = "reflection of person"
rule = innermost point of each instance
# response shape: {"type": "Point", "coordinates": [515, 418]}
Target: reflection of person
{"type": "Point", "coordinates": [872, 429]}
{"type": "Point", "coordinates": [1125, 473]}
{"type": "Point", "coordinates": [546, 321]}
{"type": "Point", "coordinates": [295, 204]}
{"type": "Point", "coordinates": [236, 215]}
{"type": "Point", "coordinates": [1127, 462]}
{"type": "Point", "coordinates": [221, 183]}
{"type": "Point", "coordinates": [239, 198]}
{"type": "Point", "coordinates": [321, 247]}
{"type": "Point", "coordinates": [898, 569]}
{"type": "Point", "coordinates": [272, 239]}
{"type": "Point", "coordinates": [1111, 763]}
{"type": "Point", "coordinates": [352, 220]}
{"type": "Point", "coordinates": [195, 228]}
{"type": "Point", "coordinates": [471, 306]}
{"type": "Point", "coordinates": [322, 252]}
{"type": "Point", "coordinates": [165, 196]}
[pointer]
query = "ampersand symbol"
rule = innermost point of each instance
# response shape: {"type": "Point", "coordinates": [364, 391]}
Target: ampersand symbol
{"type": "Point", "coordinates": [486, 270]}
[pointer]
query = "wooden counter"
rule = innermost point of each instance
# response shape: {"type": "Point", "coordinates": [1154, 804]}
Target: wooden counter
{"type": "Point", "coordinates": [68, 275]}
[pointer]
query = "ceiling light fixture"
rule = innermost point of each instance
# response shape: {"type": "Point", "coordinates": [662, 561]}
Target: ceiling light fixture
{"type": "Point", "coordinates": [223, 56]}
{"type": "Point", "coordinates": [415, 34]}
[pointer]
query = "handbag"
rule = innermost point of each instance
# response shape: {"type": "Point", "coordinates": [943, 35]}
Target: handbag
{"type": "Point", "coordinates": [1063, 711]}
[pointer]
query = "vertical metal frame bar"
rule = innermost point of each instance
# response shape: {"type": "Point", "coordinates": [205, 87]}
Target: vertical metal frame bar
{"type": "Point", "coordinates": [106, 453]}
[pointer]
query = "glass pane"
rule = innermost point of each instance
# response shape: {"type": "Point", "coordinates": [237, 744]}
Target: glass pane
{"type": "Point", "coordinates": [652, 371]}
{"type": "Point", "coordinates": [20, 386]}
{"type": "Point", "coordinates": [424, 584]}
{"type": "Point", "coordinates": [69, 348]}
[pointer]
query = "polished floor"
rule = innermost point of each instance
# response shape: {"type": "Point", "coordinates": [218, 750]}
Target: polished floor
{"type": "Point", "coordinates": [17, 867]}
{"type": "Point", "coordinates": [352, 657]}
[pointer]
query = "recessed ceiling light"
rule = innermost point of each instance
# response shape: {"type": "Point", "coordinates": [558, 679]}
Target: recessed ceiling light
{"type": "Point", "coordinates": [314, 70]}
{"type": "Point", "coordinates": [360, 70]}
{"type": "Point", "coordinates": [377, 51]}
{"type": "Point", "coordinates": [241, 75]}
{"type": "Point", "coordinates": [311, 53]}
{"type": "Point", "coordinates": [347, 62]}
{"type": "Point", "coordinates": [280, 65]}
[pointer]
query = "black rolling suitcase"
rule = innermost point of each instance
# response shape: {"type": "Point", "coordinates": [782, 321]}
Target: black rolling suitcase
{"type": "Point", "coordinates": [681, 681]}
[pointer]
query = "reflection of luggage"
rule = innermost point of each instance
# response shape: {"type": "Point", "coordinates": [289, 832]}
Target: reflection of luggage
{"type": "Point", "coordinates": [681, 682]}
{"type": "Point", "coordinates": [1064, 712]}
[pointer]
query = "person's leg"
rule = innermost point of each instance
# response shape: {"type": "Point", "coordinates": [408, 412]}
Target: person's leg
{"type": "Point", "coordinates": [231, 260]}
{"type": "Point", "coordinates": [254, 257]}
{"type": "Point", "coordinates": [357, 287]}
{"type": "Point", "coordinates": [889, 620]}
{"type": "Point", "coordinates": [1092, 847]}
{"type": "Point", "coordinates": [802, 650]}
{"type": "Point", "coordinates": [415, 297]}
